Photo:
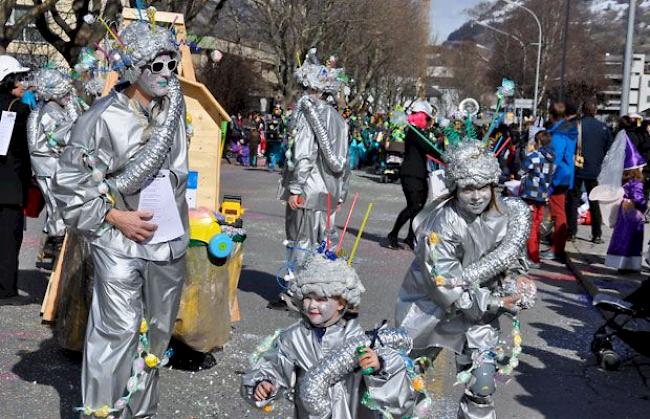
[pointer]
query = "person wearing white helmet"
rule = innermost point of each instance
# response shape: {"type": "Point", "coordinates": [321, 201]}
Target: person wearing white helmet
{"type": "Point", "coordinates": [15, 173]}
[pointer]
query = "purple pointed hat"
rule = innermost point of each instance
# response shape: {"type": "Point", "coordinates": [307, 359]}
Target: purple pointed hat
{"type": "Point", "coordinates": [633, 160]}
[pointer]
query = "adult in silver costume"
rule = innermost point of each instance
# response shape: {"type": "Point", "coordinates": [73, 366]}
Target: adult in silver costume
{"type": "Point", "coordinates": [117, 147]}
{"type": "Point", "coordinates": [329, 294]}
{"type": "Point", "coordinates": [316, 158]}
{"type": "Point", "coordinates": [467, 246]}
{"type": "Point", "coordinates": [48, 132]}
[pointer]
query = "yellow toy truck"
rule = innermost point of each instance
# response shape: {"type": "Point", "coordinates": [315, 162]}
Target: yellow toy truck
{"type": "Point", "coordinates": [232, 211]}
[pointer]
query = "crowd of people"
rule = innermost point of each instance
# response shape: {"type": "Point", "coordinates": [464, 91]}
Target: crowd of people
{"type": "Point", "coordinates": [96, 165]}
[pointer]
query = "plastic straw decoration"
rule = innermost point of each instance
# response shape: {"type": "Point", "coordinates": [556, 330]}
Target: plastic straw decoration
{"type": "Point", "coordinates": [433, 159]}
{"type": "Point", "coordinates": [328, 221]}
{"type": "Point", "coordinates": [345, 227]}
{"type": "Point", "coordinates": [173, 22]}
{"type": "Point", "coordinates": [359, 234]}
{"type": "Point", "coordinates": [496, 146]}
{"type": "Point", "coordinates": [110, 31]}
{"type": "Point", "coordinates": [138, 5]}
{"type": "Point", "coordinates": [502, 147]}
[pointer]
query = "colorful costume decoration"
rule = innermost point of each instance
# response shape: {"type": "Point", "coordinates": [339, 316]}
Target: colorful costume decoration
{"type": "Point", "coordinates": [296, 359]}
{"type": "Point", "coordinates": [465, 263]}
{"type": "Point", "coordinates": [115, 149]}
{"type": "Point", "coordinates": [626, 244]}
{"type": "Point", "coordinates": [48, 132]}
{"type": "Point", "coordinates": [316, 163]}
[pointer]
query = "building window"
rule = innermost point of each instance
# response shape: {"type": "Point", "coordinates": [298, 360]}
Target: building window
{"type": "Point", "coordinates": [29, 32]}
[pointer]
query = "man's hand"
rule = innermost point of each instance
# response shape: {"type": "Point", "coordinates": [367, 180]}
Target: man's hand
{"type": "Point", "coordinates": [295, 201]}
{"type": "Point", "coordinates": [133, 224]}
{"type": "Point", "coordinates": [369, 360]}
{"type": "Point", "coordinates": [263, 390]}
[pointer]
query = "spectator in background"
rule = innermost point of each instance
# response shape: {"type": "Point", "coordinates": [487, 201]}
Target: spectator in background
{"type": "Point", "coordinates": [596, 140]}
{"type": "Point", "coordinates": [536, 178]}
{"type": "Point", "coordinates": [15, 176]}
{"type": "Point", "coordinates": [564, 135]}
{"type": "Point", "coordinates": [275, 135]}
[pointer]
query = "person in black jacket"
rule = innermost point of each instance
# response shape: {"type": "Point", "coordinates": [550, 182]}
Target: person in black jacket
{"type": "Point", "coordinates": [414, 172]}
{"type": "Point", "coordinates": [15, 176]}
{"type": "Point", "coordinates": [596, 140]}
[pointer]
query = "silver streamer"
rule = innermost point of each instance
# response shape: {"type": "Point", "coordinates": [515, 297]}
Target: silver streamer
{"type": "Point", "coordinates": [149, 160]}
{"type": "Point", "coordinates": [337, 365]}
{"type": "Point", "coordinates": [470, 164]}
{"type": "Point", "coordinates": [71, 106]}
{"type": "Point", "coordinates": [335, 164]}
{"type": "Point", "coordinates": [498, 261]}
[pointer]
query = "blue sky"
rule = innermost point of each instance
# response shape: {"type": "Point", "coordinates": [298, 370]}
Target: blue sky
{"type": "Point", "coordinates": [447, 16]}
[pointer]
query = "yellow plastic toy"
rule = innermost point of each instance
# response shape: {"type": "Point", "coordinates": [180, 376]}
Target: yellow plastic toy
{"type": "Point", "coordinates": [232, 210]}
{"type": "Point", "coordinates": [203, 225]}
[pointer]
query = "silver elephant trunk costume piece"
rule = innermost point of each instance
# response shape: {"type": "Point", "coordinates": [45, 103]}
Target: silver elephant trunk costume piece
{"type": "Point", "coordinates": [507, 252]}
{"type": "Point", "coordinates": [336, 366]}
{"type": "Point", "coordinates": [149, 161]}
{"type": "Point", "coordinates": [335, 163]}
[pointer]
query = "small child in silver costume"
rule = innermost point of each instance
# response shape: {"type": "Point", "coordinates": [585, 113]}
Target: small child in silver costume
{"type": "Point", "coordinates": [328, 293]}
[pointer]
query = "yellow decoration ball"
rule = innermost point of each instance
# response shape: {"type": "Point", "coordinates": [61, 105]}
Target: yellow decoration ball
{"type": "Point", "coordinates": [418, 384]}
{"type": "Point", "coordinates": [268, 408]}
{"type": "Point", "coordinates": [434, 239]}
{"type": "Point", "coordinates": [188, 118]}
{"type": "Point", "coordinates": [144, 326]}
{"type": "Point", "coordinates": [151, 360]}
{"type": "Point", "coordinates": [103, 412]}
{"type": "Point", "coordinates": [440, 281]}
{"type": "Point", "coordinates": [517, 340]}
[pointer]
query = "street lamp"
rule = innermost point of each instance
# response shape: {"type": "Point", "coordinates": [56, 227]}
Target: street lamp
{"type": "Point", "coordinates": [539, 51]}
{"type": "Point", "coordinates": [523, 46]}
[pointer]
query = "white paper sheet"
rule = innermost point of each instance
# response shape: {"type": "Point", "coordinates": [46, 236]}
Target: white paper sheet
{"type": "Point", "coordinates": [158, 197]}
{"type": "Point", "coordinates": [7, 122]}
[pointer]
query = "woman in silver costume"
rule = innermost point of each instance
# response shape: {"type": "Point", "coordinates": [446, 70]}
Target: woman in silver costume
{"type": "Point", "coordinates": [126, 141]}
{"type": "Point", "coordinates": [48, 132]}
{"type": "Point", "coordinates": [316, 157]}
{"type": "Point", "coordinates": [329, 294]}
{"type": "Point", "coordinates": [468, 248]}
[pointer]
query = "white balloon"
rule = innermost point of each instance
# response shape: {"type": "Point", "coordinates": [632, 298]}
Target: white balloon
{"type": "Point", "coordinates": [216, 56]}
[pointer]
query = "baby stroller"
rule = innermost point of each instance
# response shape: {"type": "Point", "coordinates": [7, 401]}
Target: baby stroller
{"type": "Point", "coordinates": [630, 322]}
{"type": "Point", "coordinates": [393, 158]}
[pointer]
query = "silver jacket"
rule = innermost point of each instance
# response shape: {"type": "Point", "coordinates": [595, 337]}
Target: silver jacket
{"type": "Point", "coordinates": [48, 122]}
{"type": "Point", "coordinates": [307, 172]}
{"type": "Point", "coordinates": [298, 349]}
{"type": "Point", "coordinates": [450, 317]}
{"type": "Point", "coordinates": [114, 130]}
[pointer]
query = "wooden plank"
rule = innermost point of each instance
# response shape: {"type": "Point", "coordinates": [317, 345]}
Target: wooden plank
{"type": "Point", "coordinates": [51, 299]}
{"type": "Point", "coordinates": [187, 68]}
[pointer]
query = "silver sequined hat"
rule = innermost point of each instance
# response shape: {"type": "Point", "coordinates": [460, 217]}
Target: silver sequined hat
{"type": "Point", "coordinates": [142, 43]}
{"type": "Point", "coordinates": [51, 84]}
{"type": "Point", "coordinates": [312, 74]}
{"type": "Point", "coordinates": [323, 277]}
{"type": "Point", "coordinates": [470, 164]}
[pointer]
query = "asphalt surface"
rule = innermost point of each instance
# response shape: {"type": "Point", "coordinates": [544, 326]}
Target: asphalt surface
{"type": "Point", "coordinates": [557, 376]}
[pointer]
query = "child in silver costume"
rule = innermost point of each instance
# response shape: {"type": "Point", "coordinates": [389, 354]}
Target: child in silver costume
{"type": "Point", "coordinates": [329, 294]}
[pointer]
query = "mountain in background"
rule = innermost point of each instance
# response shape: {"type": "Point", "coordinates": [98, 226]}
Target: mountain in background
{"type": "Point", "coordinates": [609, 18]}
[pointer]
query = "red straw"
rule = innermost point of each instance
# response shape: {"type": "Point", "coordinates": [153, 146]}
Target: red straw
{"type": "Point", "coordinates": [327, 222]}
{"type": "Point", "coordinates": [345, 227]}
{"type": "Point", "coordinates": [502, 147]}
{"type": "Point", "coordinates": [436, 160]}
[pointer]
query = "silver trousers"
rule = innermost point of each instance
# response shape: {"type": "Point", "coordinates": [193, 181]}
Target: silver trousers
{"type": "Point", "coordinates": [471, 406]}
{"type": "Point", "coordinates": [54, 225]}
{"type": "Point", "coordinates": [125, 291]}
{"type": "Point", "coordinates": [306, 229]}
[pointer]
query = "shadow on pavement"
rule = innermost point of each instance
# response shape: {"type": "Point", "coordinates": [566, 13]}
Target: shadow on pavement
{"type": "Point", "coordinates": [261, 283]}
{"type": "Point", "coordinates": [52, 366]}
{"type": "Point", "coordinates": [567, 352]}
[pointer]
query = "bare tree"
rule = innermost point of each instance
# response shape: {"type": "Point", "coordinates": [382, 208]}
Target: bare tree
{"type": "Point", "coordinates": [200, 15]}
{"type": "Point", "coordinates": [73, 31]}
{"type": "Point", "coordinates": [9, 32]}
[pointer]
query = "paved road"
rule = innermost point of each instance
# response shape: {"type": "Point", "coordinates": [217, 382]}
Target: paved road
{"type": "Point", "coordinates": [556, 379]}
